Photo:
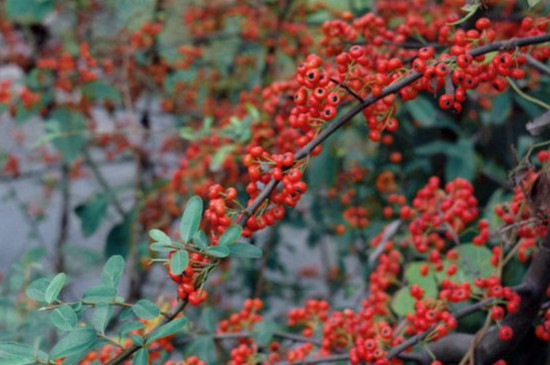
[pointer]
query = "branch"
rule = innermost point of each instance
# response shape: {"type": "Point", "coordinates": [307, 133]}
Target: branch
{"type": "Point", "coordinates": [322, 136]}
{"type": "Point", "coordinates": [391, 89]}
{"type": "Point", "coordinates": [103, 182]}
{"type": "Point", "coordinates": [492, 348]}
{"type": "Point", "coordinates": [533, 62]}
{"type": "Point", "coordinates": [64, 219]}
{"type": "Point", "coordinates": [124, 355]}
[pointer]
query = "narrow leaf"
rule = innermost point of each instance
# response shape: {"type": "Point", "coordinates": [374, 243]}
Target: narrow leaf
{"type": "Point", "coordinates": [73, 343]}
{"type": "Point", "coordinates": [232, 234]}
{"type": "Point", "coordinates": [168, 329]}
{"type": "Point", "coordinates": [55, 286]}
{"type": "Point", "coordinates": [112, 271]}
{"type": "Point", "coordinates": [102, 314]}
{"type": "Point", "coordinates": [200, 240]}
{"type": "Point", "coordinates": [217, 251]}
{"type": "Point", "coordinates": [141, 357]}
{"type": "Point", "coordinates": [245, 250]}
{"type": "Point", "coordinates": [191, 218]}
{"type": "Point", "coordinates": [178, 262]}
{"type": "Point", "coordinates": [145, 309]}
{"type": "Point", "coordinates": [160, 236]}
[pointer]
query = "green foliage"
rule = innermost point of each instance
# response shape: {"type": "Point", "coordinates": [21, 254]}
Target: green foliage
{"type": "Point", "coordinates": [245, 250]}
{"type": "Point", "coordinates": [100, 294]}
{"type": "Point", "coordinates": [168, 329]}
{"type": "Point", "coordinates": [37, 289]}
{"type": "Point", "coordinates": [423, 111]}
{"type": "Point", "coordinates": [141, 357]}
{"type": "Point", "coordinates": [191, 218]}
{"type": "Point", "coordinates": [120, 237]}
{"type": "Point", "coordinates": [91, 213]}
{"type": "Point", "coordinates": [179, 261]}
{"type": "Point", "coordinates": [217, 251]}
{"type": "Point", "coordinates": [474, 261]}
{"type": "Point", "coordinates": [160, 236]}
{"type": "Point", "coordinates": [12, 353]}
{"type": "Point", "coordinates": [76, 343]}
{"type": "Point", "coordinates": [101, 91]}
{"type": "Point", "coordinates": [232, 234]}
{"type": "Point", "coordinates": [264, 331]}
{"type": "Point", "coordinates": [28, 11]}
{"type": "Point", "coordinates": [200, 240]}
{"type": "Point", "coordinates": [66, 131]}
{"type": "Point", "coordinates": [112, 271]}
{"type": "Point", "coordinates": [145, 309]}
{"type": "Point", "coordinates": [64, 317]}
{"type": "Point", "coordinates": [102, 315]}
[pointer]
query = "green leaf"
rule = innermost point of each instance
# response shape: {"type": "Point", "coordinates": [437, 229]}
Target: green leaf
{"type": "Point", "coordinates": [160, 247]}
{"type": "Point", "coordinates": [64, 317]}
{"type": "Point", "coordinates": [203, 347]}
{"type": "Point", "coordinates": [230, 235]}
{"type": "Point", "coordinates": [100, 294]}
{"type": "Point", "coordinates": [120, 237]}
{"type": "Point", "coordinates": [37, 289]}
{"type": "Point", "coordinates": [28, 11]}
{"type": "Point", "coordinates": [102, 314]}
{"type": "Point", "coordinates": [500, 109]}
{"type": "Point", "coordinates": [131, 14]}
{"type": "Point", "coordinates": [422, 110]}
{"type": "Point", "coordinates": [191, 218]}
{"type": "Point", "coordinates": [91, 213]}
{"type": "Point", "coordinates": [167, 329]}
{"type": "Point", "coordinates": [145, 309]}
{"type": "Point", "coordinates": [141, 357]}
{"type": "Point", "coordinates": [75, 342]}
{"type": "Point", "coordinates": [137, 340]}
{"type": "Point", "coordinates": [55, 286]}
{"type": "Point", "coordinates": [160, 236]}
{"type": "Point", "coordinates": [131, 326]}
{"type": "Point", "coordinates": [245, 250]}
{"type": "Point", "coordinates": [200, 240]}
{"type": "Point", "coordinates": [220, 156]}
{"type": "Point", "coordinates": [461, 161]}
{"type": "Point", "coordinates": [402, 302]}
{"type": "Point", "coordinates": [100, 91]}
{"type": "Point", "coordinates": [112, 271]}
{"type": "Point", "coordinates": [533, 3]}
{"type": "Point", "coordinates": [322, 170]}
{"type": "Point", "coordinates": [474, 261]}
{"type": "Point", "coordinates": [179, 261]}
{"type": "Point", "coordinates": [207, 319]}
{"type": "Point", "coordinates": [426, 282]}
{"type": "Point", "coordinates": [264, 331]}
{"type": "Point", "coordinates": [13, 353]}
{"type": "Point", "coordinates": [433, 148]}
{"type": "Point", "coordinates": [69, 127]}
{"type": "Point", "coordinates": [217, 251]}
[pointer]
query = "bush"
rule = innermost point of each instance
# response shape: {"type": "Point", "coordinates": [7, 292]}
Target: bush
{"type": "Point", "coordinates": [276, 182]}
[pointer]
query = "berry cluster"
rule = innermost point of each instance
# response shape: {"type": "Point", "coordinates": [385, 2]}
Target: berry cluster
{"type": "Point", "coordinates": [435, 210]}
{"type": "Point", "coordinates": [243, 320]}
